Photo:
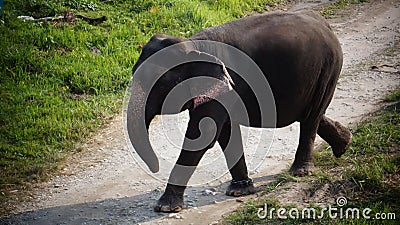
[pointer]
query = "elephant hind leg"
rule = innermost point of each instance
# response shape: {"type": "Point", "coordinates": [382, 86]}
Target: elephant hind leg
{"type": "Point", "coordinates": [335, 134]}
{"type": "Point", "coordinates": [303, 161]}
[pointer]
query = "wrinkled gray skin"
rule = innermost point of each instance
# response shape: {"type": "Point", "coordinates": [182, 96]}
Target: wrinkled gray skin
{"type": "Point", "coordinates": [301, 59]}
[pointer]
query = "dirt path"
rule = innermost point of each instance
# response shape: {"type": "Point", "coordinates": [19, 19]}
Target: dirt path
{"type": "Point", "coordinates": [103, 184]}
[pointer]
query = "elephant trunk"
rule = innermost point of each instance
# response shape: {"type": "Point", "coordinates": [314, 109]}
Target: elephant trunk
{"type": "Point", "coordinates": [137, 125]}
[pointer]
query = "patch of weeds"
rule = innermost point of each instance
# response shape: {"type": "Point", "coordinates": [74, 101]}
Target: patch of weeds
{"type": "Point", "coordinates": [377, 135]}
{"type": "Point", "coordinates": [34, 8]}
{"type": "Point", "coordinates": [247, 214]}
{"type": "Point", "coordinates": [393, 50]}
{"type": "Point", "coordinates": [287, 177]}
{"type": "Point", "coordinates": [270, 211]}
{"type": "Point", "coordinates": [280, 180]}
{"type": "Point", "coordinates": [85, 5]}
{"type": "Point", "coordinates": [392, 97]}
{"type": "Point", "coordinates": [375, 150]}
{"type": "Point", "coordinates": [152, 5]}
{"type": "Point", "coordinates": [326, 165]}
{"type": "Point", "coordinates": [330, 10]}
{"type": "Point", "coordinates": [324, 157]}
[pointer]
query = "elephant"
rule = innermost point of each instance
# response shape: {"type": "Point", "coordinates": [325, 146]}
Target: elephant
{"type": "Point", "coordinates": [297, 53]}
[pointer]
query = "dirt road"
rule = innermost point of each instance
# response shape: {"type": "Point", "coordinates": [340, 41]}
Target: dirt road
{"type": "Point", "coordinates": [104, 185]}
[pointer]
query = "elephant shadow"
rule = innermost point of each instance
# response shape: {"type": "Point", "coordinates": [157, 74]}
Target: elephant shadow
{"type": "Point", "coordinates": [127, 210]}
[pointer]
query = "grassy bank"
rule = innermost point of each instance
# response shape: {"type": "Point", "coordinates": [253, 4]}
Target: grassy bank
{"type": "Point", "coordinates": [60, 81]}
{"type": "Point", "coordinates": [367, 175]}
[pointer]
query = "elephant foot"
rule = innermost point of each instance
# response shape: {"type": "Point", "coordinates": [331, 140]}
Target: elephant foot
{"type": "Point", "coordinates": [302, 169]}
{"type": "Point", "coordinates": [171, 200]}
{"type": "Point", "coordinates": [341, 146]}
{"type": "Point", "coordinates": [337, 135]}
{"type": "Point", "coordinates": [241, 187]}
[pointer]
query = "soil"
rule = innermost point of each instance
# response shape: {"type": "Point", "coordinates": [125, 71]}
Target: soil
{"type": "Point", "coordinates": [103, 184]}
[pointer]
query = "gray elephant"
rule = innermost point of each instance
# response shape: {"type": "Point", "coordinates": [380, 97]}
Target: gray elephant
{"type": "Point", "coordinates": [299, 56]}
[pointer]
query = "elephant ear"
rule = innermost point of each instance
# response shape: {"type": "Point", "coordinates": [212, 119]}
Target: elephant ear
{"type": "Point", "coordinates": [204, 90]}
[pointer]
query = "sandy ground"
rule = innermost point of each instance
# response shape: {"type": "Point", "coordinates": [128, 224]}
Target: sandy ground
{"type": "Point", "coordinates": [103, 184]}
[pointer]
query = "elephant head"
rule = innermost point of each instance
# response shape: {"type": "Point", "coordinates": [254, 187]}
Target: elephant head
{"type": "Point", "coordinates": [149, 90]}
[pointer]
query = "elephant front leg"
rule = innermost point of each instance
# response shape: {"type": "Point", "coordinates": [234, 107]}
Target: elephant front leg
{"type": "Point", "coordinates": [172, 199]}
{"type": "Point", "coordinates": [303, 162]}
{"type": "Point", "coordinates": [230, 141]}
{"type": "Point", "coordinates": [204, 127]}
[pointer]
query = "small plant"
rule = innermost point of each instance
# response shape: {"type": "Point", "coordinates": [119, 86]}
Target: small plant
{"type": "Point", "coordinates": [81, 5]}
{"type": "Point", "coordinates": [393, 96]}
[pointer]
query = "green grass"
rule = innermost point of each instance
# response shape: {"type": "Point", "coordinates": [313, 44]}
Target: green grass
{"type": "Point", "coordinates": [368, 173]}
{"type": "Point", "coordinates": [55, 92]}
